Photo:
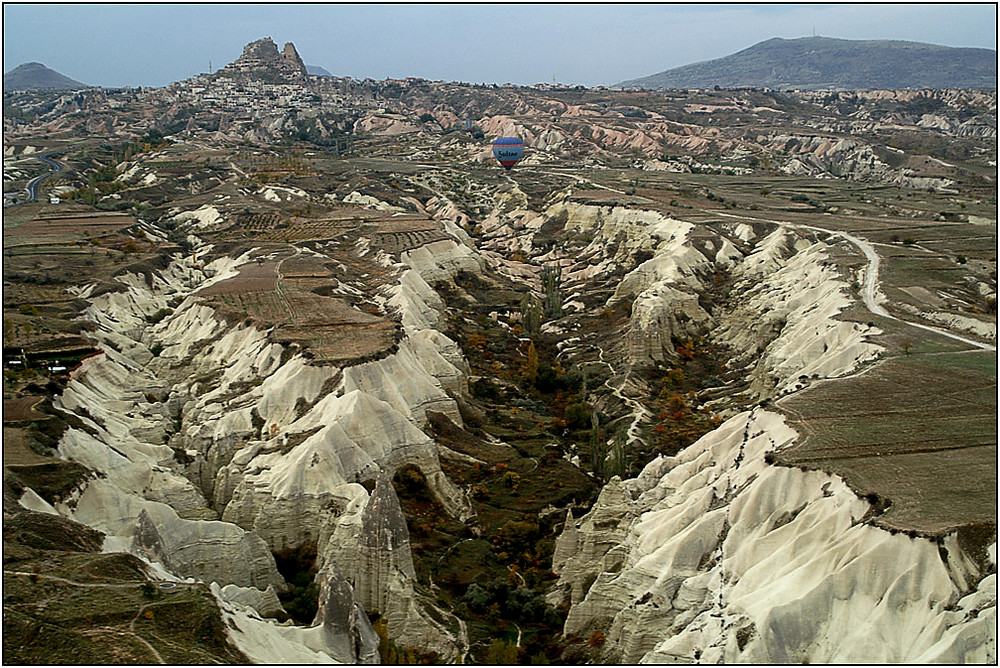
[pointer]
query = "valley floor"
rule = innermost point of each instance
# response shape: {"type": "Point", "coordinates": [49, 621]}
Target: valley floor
{"type": "Point", "coordinates": [429, 411]}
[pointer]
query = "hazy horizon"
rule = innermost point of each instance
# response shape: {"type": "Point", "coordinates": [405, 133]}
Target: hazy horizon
{"type": "Point", "coordinates": [577, 44]}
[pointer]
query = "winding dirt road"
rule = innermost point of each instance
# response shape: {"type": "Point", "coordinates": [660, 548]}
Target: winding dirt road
{"type": "Point", "coordinates": [870, 293]}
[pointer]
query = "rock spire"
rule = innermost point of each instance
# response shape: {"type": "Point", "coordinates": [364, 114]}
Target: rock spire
{"type": "Point", "coordinates": [262, 60]}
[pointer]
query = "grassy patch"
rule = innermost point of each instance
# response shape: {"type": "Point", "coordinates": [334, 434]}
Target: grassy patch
{"type": "Point", "coordinates": [67, 607]}
{"type": "Point", "coordinates": [53, 481]}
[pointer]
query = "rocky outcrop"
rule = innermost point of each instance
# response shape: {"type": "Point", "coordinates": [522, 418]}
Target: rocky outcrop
{"type": "Point", "coordinates": [784, 328]}
{"type": "Point", "coordinates": [384, 548]}
{"type": "Point", "coordinates": [372, 549]}
{"type": "Point", "coordinates": [407, 381]}
{"type": "Point", "coordinates": [263, 602]}
{"type": "Point", "coordinates": [210, 551]}
{"type": "Point", "coordinates": [261, 59]}
{"type": "Point", "coordinates": [279, 445]}
{"type": "Point", "coordinates": [287, 497]}
{"type": "Point", "coordinates": [351, 640]}
{"type": "Point", "coordinates": [345, 623]}
{"type": "Point", "coordinates": [716, 556]}
{"type": "Point", "coordinates": [822, 156]}
{"type": "Point", "coordinates": [661, 315]}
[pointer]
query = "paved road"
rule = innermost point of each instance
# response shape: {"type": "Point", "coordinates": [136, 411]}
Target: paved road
{"type": "Point", "coordinates": [33, 184]}
{"type": "Point", "coordinates": [32, 189]}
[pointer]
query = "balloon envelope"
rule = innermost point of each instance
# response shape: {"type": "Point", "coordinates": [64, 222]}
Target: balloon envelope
{"type": "Point", "coordinates": [508, 150]}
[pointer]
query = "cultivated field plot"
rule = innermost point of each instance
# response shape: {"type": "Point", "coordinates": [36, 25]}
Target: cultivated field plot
{"type": "Point", "coordinates": [333, 330]}
{"type": "Point", "coordinates": [919, 429]}
{"type": "Point", "coordinates": [316, 310]}
{"type": "Point", "coordinates": [329, 327]}
{"type": "Point", "coordinates": [16, 451]}
{"type": "Point", "coordinates": [259, 222]}
{"type": "Point", "coordinates": [306, 229]}
{"type": "Point", "coordinates": [342, 343]}
{"type": "Point", "coordinates": [403, 233]}
{"type": "Point", "coordinates": [68, 229]}
{"type": "Point", "coordinates": [404, 223]}
{"type": "Point", "coordinates": [253, 277]}
{"type": "Point", "coordinates": [264, 307]}
{"type": "Point", "coordinates": [22, 408]}
{"type": "Point", "coordinates": [305, 266]}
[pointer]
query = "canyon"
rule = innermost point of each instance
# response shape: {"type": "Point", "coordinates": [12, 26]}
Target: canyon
{"type": "Point", "coordinates": [640, 400]}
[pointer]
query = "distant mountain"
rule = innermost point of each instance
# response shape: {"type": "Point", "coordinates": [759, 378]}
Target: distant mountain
{"type": "Point", "coordinates": [34, 76]}
{"type": "Point", "coordinates": [819, 63]}
{"type": "Point", "coordinates": [319, 71]}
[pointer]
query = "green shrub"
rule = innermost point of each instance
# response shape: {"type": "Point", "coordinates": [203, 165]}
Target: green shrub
{"type": "Point", "coordinates": [476, 598]}
{"type": "Point", "coordinates": [578, 415]}
{"type": "Point", "coordinates": [158, 316]}
{"type": "Point", "coordinates": [501, 653]}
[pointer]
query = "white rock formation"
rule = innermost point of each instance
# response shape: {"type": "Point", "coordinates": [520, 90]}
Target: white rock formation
{"type": "Point", "coordinates": [441, 260]}
{"type": "Point", "coordinates": [369, 202]}
{"type": "Point", "coordinates": [715, 556]}
{"type": "Point", "coordinates": [278, 445]}
{"type": "Point", "coordinates": [347, 638]}
{"type": "Point", "coordinates": [287, 497]}
{"type": "Point", "coordinates": [372, 550]}
{"type": "Point", "coordinates": [986, 330]}
{"type": "Point", "coordinates": [785, 327]}
{"type": "Point", "coordinates": [204, 217]}
{"type": "Point", "coordinates": [263, 602]}
{"type": "Point", "coordinates": [206, 550]}
{"type": "Point", "coordinates": [660, 314]}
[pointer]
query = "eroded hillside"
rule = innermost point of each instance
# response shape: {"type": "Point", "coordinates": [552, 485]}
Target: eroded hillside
{"type": "Point", "coordinates": [645, 397]}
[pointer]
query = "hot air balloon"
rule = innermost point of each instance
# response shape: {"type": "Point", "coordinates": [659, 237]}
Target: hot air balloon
{"type": "Point", "coordinates": [508, 150]}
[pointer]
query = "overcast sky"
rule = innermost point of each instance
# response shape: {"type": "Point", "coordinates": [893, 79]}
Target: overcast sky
{"type": "Point", "coordinates": [589, 44]}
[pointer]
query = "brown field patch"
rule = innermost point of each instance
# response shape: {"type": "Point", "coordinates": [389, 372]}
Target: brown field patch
{"type": "Point", "coordinates": [308, 230]}
{"type": "Point", "coordinates": [931, 493]}
{"type": "Point", "coordinates": [405, 223]}
{"type": "Point", "coordinates": [252, 277]}
{"type": "Point", "coordinates": [329, 327]}
{"type": "Point", "coordinates": [337, 343]}
{"type": "Point", "coordinates": [16, 451]}
{"type": "Point", "coordinates": [61, 229]}
{"type": "Point", "coordinates": [23, 408]}
{"type": "Point", "coordinates": [918, 429]}
{"type": "Point", "coordinates": [308, 308]}
{"type": "Point", "coordinates": [305, 266]}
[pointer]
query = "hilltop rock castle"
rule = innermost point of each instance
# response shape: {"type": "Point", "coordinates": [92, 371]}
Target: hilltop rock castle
{"type": "Point", "coordinates": [263, 58]}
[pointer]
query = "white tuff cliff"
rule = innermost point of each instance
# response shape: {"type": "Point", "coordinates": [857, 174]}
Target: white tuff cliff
{"type": "Point", "coordinates": [189, 419]}
{"type": "Point", "coordinates": [716, 556]}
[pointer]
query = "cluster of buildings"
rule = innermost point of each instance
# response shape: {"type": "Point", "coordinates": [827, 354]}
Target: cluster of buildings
{"type": "Point", "coordinates": [222, 93]}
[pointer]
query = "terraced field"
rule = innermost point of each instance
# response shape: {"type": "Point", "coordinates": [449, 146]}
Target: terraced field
{"type": "Point", "coordinates": [918, 429]}
{"type": "Point", "coordinates": [64, 229]}
{"type": "Point", "coordinates": [397, 242]}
